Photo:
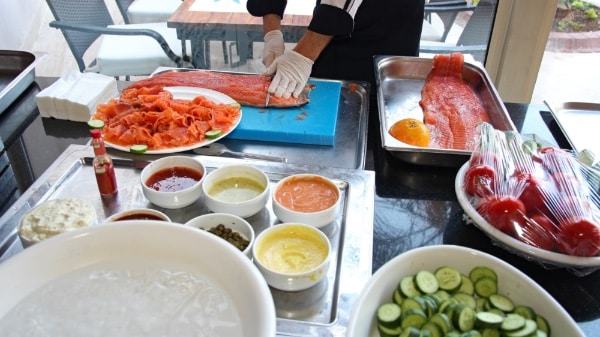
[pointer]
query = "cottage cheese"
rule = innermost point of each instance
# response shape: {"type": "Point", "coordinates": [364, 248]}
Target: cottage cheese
{"type": "Point", "coordinates": [55, 216]}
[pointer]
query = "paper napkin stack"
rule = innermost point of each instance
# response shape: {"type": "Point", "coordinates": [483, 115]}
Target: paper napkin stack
{"type": "Point", "coordinates": [76, 95]}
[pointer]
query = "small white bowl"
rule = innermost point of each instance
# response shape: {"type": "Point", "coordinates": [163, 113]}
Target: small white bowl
{"type": "Point", "coordinates": [308, 246]}
{"type": "Point", "coordinates": [177, 199]}
{"type": "Point", "coordinates": [306, 198]}
{"type": "Point", "coordinates": [240, 190]}
{"type": "Point", "coordinates": [138, 214]}
{"type": "Point", "coordinates": [53, 217]}
{"type": "Point", "coordinates": [233, 222]}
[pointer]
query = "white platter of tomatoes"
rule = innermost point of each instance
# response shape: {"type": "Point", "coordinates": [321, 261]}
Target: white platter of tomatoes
{"type": "Point", "coordinates": [542, 204]}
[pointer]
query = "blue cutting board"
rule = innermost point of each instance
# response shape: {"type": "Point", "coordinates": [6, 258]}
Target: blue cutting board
{"type": "Point", "coordinates": [312, 123]}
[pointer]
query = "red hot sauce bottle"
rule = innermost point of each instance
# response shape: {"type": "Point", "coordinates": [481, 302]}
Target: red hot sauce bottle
{"type": "Point", "coordinates": [103, 166]}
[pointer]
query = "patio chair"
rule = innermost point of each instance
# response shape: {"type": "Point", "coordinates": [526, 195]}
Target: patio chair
{"type": "Point", "coordinates": [147, 11]}
{"type": "Point", "coordinates": [123, 50]}
{"type": "Point", "coordinates": [475, 36]}
{"type": "Point", "coordinates": [447, 11]}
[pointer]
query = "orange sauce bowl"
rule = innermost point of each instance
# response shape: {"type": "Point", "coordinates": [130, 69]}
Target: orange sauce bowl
{"type": "Point", "coordinates": [306, 198]}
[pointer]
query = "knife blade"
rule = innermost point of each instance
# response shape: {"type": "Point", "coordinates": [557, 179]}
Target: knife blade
{"type": "Point", "coordinates": [267, 100]}
{"type": "Point", "coordinates": [138, 164]}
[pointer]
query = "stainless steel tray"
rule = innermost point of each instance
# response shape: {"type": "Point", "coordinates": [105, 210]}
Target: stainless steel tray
{"type": "Point", "coordinates": [321, 310]}
{"type": "Point", "coordinates": [17, 72]}
{"type": "Point", "coordinates": [579, 123]}
{"type": "Point", "coordinates": [399, 83]}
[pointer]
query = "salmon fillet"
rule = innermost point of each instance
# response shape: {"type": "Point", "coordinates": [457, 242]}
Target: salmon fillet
{"type": "Point", "coordinates": [246, 89]}
{"type": "Point", "coordinates": [451, 108]}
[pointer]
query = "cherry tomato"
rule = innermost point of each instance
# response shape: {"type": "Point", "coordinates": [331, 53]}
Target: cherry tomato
{"type": "Point", "coordinates": [569, 206]}
{"type": "Point", "coordinates": [534, 192]}
{"type": "Point", "coordinates": [479, 180]}
{"type": "Point", "coordinates": [541, 231]}
{"type": "Point", "coordinates": [579, 236]}
{"type": "Point", "coordinates": [566, 183]}
{"type": "Point", "coordinates": [503, 212]}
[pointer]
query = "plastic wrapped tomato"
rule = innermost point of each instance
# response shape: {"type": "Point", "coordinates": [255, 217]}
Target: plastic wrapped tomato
{"type": "Point", "coordinates": [544, 197]}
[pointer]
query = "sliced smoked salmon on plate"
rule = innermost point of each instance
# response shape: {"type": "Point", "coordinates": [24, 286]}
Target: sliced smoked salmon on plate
{"type": "Point", "coordinates": [167, 120]}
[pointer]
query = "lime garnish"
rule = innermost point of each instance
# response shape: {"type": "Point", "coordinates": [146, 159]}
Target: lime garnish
{"type": "Point", "coordinates": [213, 133]}
{"type": "Point", "coordinates": [95, 124]}
{"type": "Point", "coordinates": [140, 148]}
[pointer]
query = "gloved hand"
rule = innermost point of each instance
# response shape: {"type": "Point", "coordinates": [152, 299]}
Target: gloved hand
{"type": "Point", "coordinates": [291, 74]}
{"type": "Point", "coordinates": [274, 47]}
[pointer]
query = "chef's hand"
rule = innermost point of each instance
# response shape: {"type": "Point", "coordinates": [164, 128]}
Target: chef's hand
{"type": "Point", "coordinates": [274, 47]}
{"type": "Point", "coordinates": [291, 74]}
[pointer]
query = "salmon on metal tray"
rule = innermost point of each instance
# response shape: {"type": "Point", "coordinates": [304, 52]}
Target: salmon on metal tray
{"type": "Point", "coordinates": [246, 89]}
{"type": "Point", "coordinates": [452, 110]}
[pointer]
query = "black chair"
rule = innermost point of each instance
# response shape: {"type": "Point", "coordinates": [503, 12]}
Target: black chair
{"type": "Point", "coordinates": [124, 50]}
{"type": "Point", "coordinates": [475, 36]}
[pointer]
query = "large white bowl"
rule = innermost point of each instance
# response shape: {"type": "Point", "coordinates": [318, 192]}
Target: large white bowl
{"type": "Point", "coordinates": [512, 282]}
{"type": "Point", "coordinates": [177, 199]}
{"type": "Point", "coordinates": [197, 284]}
{"type": "Point", "coordinates": [242, 208]}
{"type": "Point", "coordinates": [579, 265]}
{"type": "Point", "coordinates": [318, 218]}
{"type": "Point", "coordinates": [233, 222]}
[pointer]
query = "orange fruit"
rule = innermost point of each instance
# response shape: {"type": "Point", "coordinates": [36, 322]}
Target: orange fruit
{"type": "Point", "coordinates": [410, 131]}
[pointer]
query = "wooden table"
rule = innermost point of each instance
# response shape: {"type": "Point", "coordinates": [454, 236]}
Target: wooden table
{"type": "Point", "coordinates": [228, 20]}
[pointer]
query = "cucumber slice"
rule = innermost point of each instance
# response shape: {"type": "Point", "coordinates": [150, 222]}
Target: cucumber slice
{"type": "Point", "coordinates": [388, 315]}
{"type": "Point", "coordinates": [433, 329]}
{"type": "Point", "coordinates": [139, 148]}
{"type": "Point", "coordinates": [397, 297]}
{"type": "Point", "coordinates": [448, 278]}
{"type": "Point", "coordinates": [95, 124]}
{"type": "Point", "coordinates": [415, 302]}
{"type": "Point", "coordinates": [490, 332]}
{"type": "Point", "coordinates": [486, 319]}
{"type": "Point", "coordinates": [512, 322]}
{"type": "Point", "coordinates": [466, 299]}
{"type": "Point", "coordinates": [413, 318]}
{"type": "Point", "coordinates": [466, 285]}
{"type": "Point", "coordinates": [529, 328]}
{"type": "Point", "coordinates": [464, 318]}
{"type": "Point", "coordinates": [410, 332]}
{"type": "Point", "coordinates": [543, 324]}
{"type": "Point", "coordinates": [426, 282]}
{"type": "Point", "coordinates": [408, 288]}
{"type": "Point", "coordinates": [442, 321]}
{"type": "Point", "coordinates": [525, 311]}
{"type": "Point", "coordinates": [482, 271]}
{"type": "Point", "coordinates": [486, 286]}
{"type": "Point", "coordinates": [213, 133]}
{"type": "Point", "coordinates": [501, 302]}
{"type": "Point", "coordinates": [387, 332]}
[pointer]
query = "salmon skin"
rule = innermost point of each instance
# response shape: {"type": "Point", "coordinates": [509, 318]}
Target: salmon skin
{"type": "Point", "coordinates": [246, 89]}
{"type": "Point", "coordinates": [452, 110]}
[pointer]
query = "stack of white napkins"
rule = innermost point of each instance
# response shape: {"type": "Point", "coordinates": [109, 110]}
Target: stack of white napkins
{"type": "Point", "coordinates": [76, 95]}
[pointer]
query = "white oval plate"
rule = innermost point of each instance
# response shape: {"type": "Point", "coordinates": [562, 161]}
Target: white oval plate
{"type": "Point", "coordinates": [189, 93]}
{"type": "Point", "coordinates": [512, 282]}
{"type": "Point", "coordinates": [512, 244]}
{"type": "Point", "coordinates": [210, 288]}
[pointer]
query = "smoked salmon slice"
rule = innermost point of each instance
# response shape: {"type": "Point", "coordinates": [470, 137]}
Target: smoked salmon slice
{"type": "Point", "coordinates": [452, 110]}
{"type": "Point", "coordinates": [246, 89]}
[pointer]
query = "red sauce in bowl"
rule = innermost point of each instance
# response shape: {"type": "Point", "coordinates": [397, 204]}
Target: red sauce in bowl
{"type": "Point", "coordinates": [173, 179]}
{"type": "Point", "coordinates": [307, 194]}
{"type": "Point", "coordinates": [139, 216]}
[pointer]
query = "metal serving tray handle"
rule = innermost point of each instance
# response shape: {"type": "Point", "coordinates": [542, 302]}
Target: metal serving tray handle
{"type": "Point", "coordinates": [17, 68]}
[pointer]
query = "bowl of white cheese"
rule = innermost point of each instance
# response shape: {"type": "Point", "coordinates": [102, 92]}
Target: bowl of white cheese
{"type": "Point", "coordinates": [53, 217]}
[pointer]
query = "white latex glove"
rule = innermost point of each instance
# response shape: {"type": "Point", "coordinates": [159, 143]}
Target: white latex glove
{"type": "Point", "coordinates": [273, 48]}
{"type": "Point", "coordinates": [291, 74]}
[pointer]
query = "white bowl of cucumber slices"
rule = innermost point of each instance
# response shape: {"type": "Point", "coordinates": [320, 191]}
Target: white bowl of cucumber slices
{"type": "Point", "coordinates": [448, 290]}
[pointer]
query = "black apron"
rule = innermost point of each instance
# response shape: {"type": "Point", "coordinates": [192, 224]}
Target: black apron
{"type": "Point", "coordinates": [381, 27]}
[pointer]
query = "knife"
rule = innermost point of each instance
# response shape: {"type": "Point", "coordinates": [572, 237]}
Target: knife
{"type": "Point", "coordinates": [138, 164]}
{"type": "Point", "coordinates": [267, 100]}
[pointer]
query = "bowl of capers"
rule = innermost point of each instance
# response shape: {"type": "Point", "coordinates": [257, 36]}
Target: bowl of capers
{"type": "Point", "coordinates": [228, 227]}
